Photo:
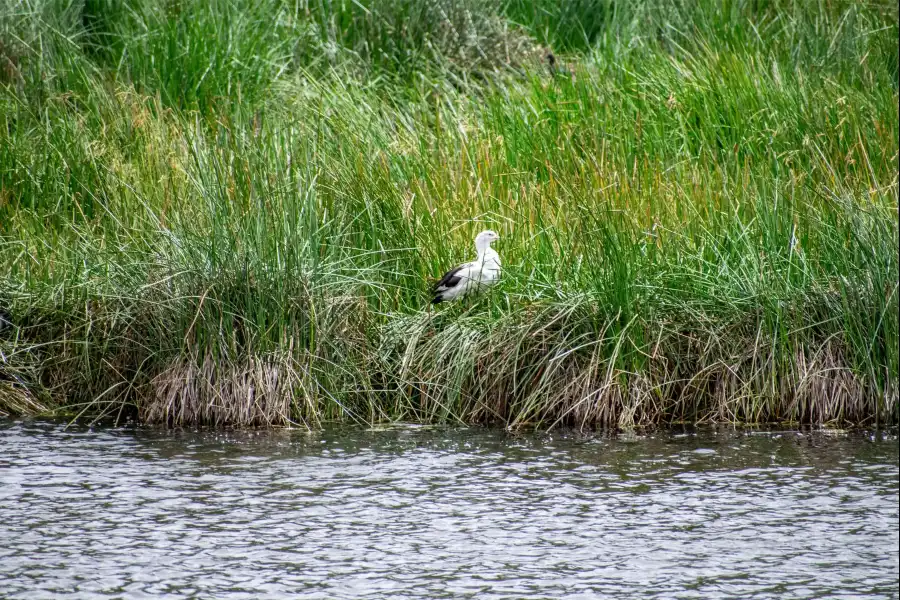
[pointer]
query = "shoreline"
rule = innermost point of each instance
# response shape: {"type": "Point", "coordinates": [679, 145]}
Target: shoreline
{"type": "Point", "coordinates": [561, 389]}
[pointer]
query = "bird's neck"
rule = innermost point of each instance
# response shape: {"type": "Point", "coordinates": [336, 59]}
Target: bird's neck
{"type": "Point", "coordinates": [482, 247]}
{"type": "Point", "coordinates": [487, 254]}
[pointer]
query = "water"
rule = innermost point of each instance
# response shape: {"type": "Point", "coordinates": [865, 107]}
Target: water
{"type": "Point", "coordinates": [420, 513]}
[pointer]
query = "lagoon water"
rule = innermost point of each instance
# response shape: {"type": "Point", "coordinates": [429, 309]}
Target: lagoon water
{"type": "Point", "coordinates": [445, 513]}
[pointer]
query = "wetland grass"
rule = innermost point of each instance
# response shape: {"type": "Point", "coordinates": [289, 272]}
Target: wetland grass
{"type": "Point", "coordinates": [228, 212]}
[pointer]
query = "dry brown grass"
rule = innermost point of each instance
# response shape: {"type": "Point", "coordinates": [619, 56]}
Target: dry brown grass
{"type": "Point", "coordinates": [17, 372]}
{"type": "Point", "coordinates": [253, 392]}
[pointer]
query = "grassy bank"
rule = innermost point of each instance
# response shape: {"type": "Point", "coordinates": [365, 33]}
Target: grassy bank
{"type": "Point", "coordinates": [229, 212]}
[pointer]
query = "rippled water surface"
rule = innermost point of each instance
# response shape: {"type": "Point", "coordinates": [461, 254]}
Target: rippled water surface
{"type": "Point", "coordinates": [424, 513]}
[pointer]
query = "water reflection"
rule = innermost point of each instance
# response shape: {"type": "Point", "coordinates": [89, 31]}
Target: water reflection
{"type": "Point", "coordinates": [430, 513]}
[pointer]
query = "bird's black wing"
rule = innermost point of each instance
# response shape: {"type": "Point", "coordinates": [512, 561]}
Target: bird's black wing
{"type": "Point", "coordinates": [449, 280]}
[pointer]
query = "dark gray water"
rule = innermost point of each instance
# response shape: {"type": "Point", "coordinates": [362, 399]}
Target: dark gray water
{"type": "Point", "coordinates": [418, 513]}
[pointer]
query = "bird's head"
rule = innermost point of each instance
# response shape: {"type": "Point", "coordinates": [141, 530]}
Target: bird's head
{"type": "Point", "coordinates": [483, 240]}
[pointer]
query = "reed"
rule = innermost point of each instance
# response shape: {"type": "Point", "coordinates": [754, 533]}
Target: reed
{"type": "Point", "coordinates": [228, 212]}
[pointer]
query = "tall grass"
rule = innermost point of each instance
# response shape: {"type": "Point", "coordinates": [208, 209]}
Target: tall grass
{"type": "Point", "coordinates": [229, 212]}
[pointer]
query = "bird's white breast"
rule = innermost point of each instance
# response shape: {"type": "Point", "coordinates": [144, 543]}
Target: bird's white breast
{"type": "Point", "coordinates": [487, 268]}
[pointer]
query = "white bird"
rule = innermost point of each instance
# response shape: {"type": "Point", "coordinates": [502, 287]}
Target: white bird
{"type": "Point", "coordinates": [474, 276]}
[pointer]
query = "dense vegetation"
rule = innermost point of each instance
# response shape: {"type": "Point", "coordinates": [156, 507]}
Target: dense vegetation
{"type": "Point", "coordinates": [228, 211]}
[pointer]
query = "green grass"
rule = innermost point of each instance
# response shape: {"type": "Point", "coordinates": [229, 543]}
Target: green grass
{"type": "Point", "coordinates": [229, 212]}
